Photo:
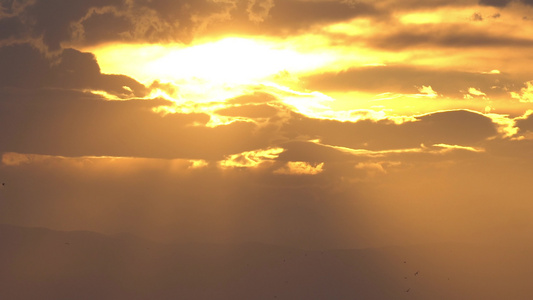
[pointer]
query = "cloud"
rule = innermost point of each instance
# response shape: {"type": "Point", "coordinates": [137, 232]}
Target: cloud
{"type": "Point", "coordinates": [451, 36]}
{"type": "Point", "coordinates": [300, 168]}
{"type": "Point", "coordinates": [503, 3]}
{"type": "Point", "coordinates": [313, 152]}
{"type": "Point", "coordinates": [71, 123]}
{"type": "Point", "coordinates": [26, 67]}
{"type": "Point", "coordinates": [249, 159]}
{"type": "Point", "coordinates": [151, 21]}
{"type": "Point", "coordinates": [460, 127]}
{"type": "Point", "coordinates": [477, 17]}
{"type": "Point", "coordinates": [496, 3]}
{"type": "Point", "coordinates": [93, 22]}
{"type": "Point", "coordinates": [96, 21]}
{"type": "Point", "coordinates": [49, 20]}
{"type": "Point", "coordinates": [287, 17]}
{"type": "Point", "coordinates": [525, 123]}
{"type": "Point", "coordinates": [248, 111]}
{"type": "Point", "coordinates": [525, 94]}
{"type": "Point", "coordinates": [408, 80]}
{"type": "Point", "coordinates": [254, 98]}
{"type": "Point", "coordinates": [403, 5]}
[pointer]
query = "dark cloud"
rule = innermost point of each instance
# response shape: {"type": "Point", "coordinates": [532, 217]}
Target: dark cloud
{"type": "Point", "coordinates": [103, 27]}
{"type": "Point", "coordinates": [249, 111]}
{"type": "Point", "coordinates": [452, 127]}
{"type": "Point", "coordinates": [255, 98]}
{"type": "Point", "coordinates": [409, 79]}
{"type": "Point", "coordinates": [503, 3]}
{"type": "Point", "coordinates": [74, 124]}
{"type": "Point", "coordinates": [151, 21]}
{"type": "Point", "coordinates": [447, 36]}
{"type": "Point", "coordinates": [314, 153]}
{"type": "Point", "coordinates": [294, 14]}
{"type": "Point", "coordinates": [477, 17]}
{"type": "Point", "coordinates": [51, 20]}
{"type": "Point", "coordinates": [60, 22]}
{"type": "Point", "coordinates": [395, 5]}
{"type": "Point", "coordinates": [98, 21]}
{"type": "Point", "coordinates": [291, 16]}
{"type": "Point", "coordinates": [525, 125]}
{"type": "Point", "coordinates": [24, 66]}
{"type": "Point", "coordinates": [496, 3]}
{"type": "Point", "coordinates": [11, 28]}
{"type": "Point", "coordinates": [95, 21]}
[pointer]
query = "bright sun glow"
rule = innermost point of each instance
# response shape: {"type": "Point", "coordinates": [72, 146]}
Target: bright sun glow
{"type": "Point", "coordinates": [226, 61]}
{"type": "Point", "coordinates": [232, 60]}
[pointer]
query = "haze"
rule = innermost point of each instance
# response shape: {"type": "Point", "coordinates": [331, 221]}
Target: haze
{"type": "Point", "coordinates": [322, 131]}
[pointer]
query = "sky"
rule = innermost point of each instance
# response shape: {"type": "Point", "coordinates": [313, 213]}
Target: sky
{"type": "Point", "coordinates": [316, 124]}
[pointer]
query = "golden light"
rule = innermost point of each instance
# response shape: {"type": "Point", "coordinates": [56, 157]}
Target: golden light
{"type": "Point", "coordinates": [250, 159]}
{"type": "Point", "coordinates": [300, 168]}
{"type": "Point", "coordinates": [232, 60]}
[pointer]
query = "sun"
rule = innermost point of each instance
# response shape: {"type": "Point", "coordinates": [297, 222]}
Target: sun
{"type": "Point", "coordinates": [231, 60]}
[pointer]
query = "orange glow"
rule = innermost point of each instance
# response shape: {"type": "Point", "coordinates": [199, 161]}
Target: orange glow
{"type": "Point", "coordinates": [300, 168]}
{"type": "Point", "coordinates": [266, 149]}
{"type": "Point", "coordinates": [228, 61]}
{"type": "Point", "coordinates": [250, 159]}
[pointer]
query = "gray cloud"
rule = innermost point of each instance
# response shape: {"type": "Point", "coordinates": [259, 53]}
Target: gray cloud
{"type": "Point", "coordinates": [24, 66]}
{"type": "Point", "coordinates": [291, 17]}
{"type": "Point", "coordinates": [98, 21]}
{"type": "Point", "coordinates": [496, 3]}
{"type": "Point", "coordinates": [249, 111]}
{"type": "Point", "coordinates": [60, 21]}
{"type": "Point", "coordinates": [296, 14]}
{"type": "Point", "coordinates": [525, 125]}
{"type": "Point", "coordinates": [315, 153]}
{"type": "Point", "coordinates": [503, 3]}
{"type": "Point", "coordinates": [74, 124]}
{"type": "Point", "coordinates": [408, 80]}
{"type": "Point", "coordinates": [50, 20]}
{"type": "Point", "coordinates": [438, 36]}
{"type": "Point", "coordinates": [395, 5]}
{"type": "Point", "coordinates": [452, 127]}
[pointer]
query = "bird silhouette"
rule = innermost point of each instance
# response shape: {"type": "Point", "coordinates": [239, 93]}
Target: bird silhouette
{"type": "Point", "coordinates": [408, 290]}
{"type": "Point", "coordinates": [416, 273]}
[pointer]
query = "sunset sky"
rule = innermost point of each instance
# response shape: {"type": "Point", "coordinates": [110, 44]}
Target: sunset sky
{"type": "Point", "coordinates": [315, 124]}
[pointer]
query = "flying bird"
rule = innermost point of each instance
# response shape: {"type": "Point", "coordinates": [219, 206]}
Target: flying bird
{"type": "Point", "coordinates": [416, 273]}
{"type": "Point", "coordinates": [408, 290]}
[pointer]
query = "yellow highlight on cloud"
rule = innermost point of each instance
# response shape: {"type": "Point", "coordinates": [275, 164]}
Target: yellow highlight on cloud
{"type": "Point", "coordinates": [300, 168]}
{"type": "Point", "coordinates": [249, 159]}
